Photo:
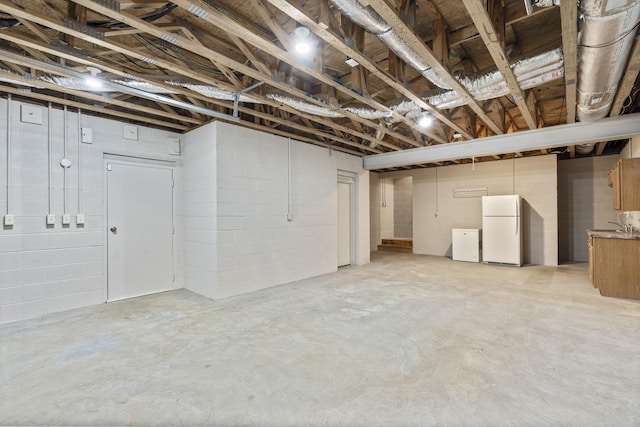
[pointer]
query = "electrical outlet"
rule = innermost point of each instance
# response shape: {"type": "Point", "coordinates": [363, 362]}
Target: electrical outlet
{"type": "Point", "coordinates": [51, 219]}
{"type": "Point", "coordinates": [9, 219]}
{"type": "Point", "coordinates": [66, 219]}
{"type": "Point", "coordinates": [80, 219]}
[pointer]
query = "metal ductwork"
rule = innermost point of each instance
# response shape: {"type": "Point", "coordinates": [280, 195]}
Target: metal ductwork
{"type": "Point", "coordinates": [373, 23]}
{"type": "Point", "coordinates": [529, 72]}
{"type": "Point", "coordinates": [604, 43]}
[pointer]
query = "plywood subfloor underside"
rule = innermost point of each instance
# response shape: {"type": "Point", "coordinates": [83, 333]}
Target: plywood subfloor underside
{"type": "Point", "coordinates": [406, 340]}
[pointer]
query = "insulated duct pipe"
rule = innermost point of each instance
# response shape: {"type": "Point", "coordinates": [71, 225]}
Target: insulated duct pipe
{"type": "Point", "coordinates": [603, 47]}
{"type": "Point", "coordinates": [373, 23]}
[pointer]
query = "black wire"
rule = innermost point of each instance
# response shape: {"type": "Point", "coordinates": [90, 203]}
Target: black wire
{"type": "Point", "coordinates": [598, 46]}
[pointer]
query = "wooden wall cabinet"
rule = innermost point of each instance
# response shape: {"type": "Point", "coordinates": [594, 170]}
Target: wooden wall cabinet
{"type": "Point", "coordinates": [614, 266]}
{"type": "Point", "coordinates": [624, 178]}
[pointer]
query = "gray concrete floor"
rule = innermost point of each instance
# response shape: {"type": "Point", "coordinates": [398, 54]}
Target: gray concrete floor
{"type": "Point", "coordinates": [406, 340]}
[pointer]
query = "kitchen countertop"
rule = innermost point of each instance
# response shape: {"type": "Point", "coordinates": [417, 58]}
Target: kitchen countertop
{"type": "Point", "coordinates": [613, 234]}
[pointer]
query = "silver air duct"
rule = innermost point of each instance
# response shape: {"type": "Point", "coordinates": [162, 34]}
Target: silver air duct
{"type": "Point", "coordinates": [604, 44]}
{"type": "Point", "coordinates": [529, 72]}
{"type": "Point", "coordinates": [373, 23]}
{"type": "Point", "coordinates": [304, 106]}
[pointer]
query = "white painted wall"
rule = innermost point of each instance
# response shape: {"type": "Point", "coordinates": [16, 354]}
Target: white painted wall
{"type": "Point", "coordinates": [632, 149]}
{"type": "Point", "coordinates": [200, 210]}
{"type": "Point", "coordinates": [436, 211]}
{"type": "Point", "coordinates": [44, 270]}
{"type": "Point", "coordinates": [255, 246]}
{"type": "Point", "coordinates": [585, 201]}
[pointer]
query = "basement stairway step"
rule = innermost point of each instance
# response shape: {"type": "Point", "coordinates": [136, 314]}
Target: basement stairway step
{"type": "Point", "coordinates": [397, 245]}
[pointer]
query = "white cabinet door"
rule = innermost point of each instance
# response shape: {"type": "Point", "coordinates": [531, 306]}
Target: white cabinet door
{"type": "Point", "coordinates": [139, 230]}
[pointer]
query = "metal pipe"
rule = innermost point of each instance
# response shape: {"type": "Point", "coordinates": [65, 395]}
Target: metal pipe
{"type": "Point", "coordinates": [606, 129]}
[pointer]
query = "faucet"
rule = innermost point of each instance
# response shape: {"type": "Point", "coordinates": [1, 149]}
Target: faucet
{"type": "Point", "coordinates": [628, 228]}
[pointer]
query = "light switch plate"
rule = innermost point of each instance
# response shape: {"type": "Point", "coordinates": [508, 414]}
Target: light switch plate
{"type": "Point", "coordinates": [66, 219]}
{"type": "Point", "coordinates": [51, 219]}
{"type": "Point", "coordinates": [80, 219]}
{"type": "Point", "coordinates": [9, 219]}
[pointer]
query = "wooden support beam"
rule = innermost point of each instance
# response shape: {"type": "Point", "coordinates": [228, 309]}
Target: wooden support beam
{"type": "Point", "coordinates": [532, 105]}
{"type": "Point", "coordinates": [337, 42]}
{"type": "Point", "coordinates": [600, 147]}
{"type": "Point", "coordinates": [569, 19]}
{"type": "Point", "coordinates": [491, 39]}
{"type": "Point", "coordinates": [421, 49]}
{"type": "Point", "coordinates": [496, 112]}
{"type": "Point", "coordinates": [94, 108]}
{"type": "Point", "coordinates": [264, 11]}
{"type": "Point", "coordinates": [628, 79]}
{"type": "Point", "coordinates": [440, 38]}
{"type": "Point", "coordinates": [111, 100]}
{"type": "Point", "coordinates": [496, 13]}
{"type": "Point", "coordinates": [39, 18]}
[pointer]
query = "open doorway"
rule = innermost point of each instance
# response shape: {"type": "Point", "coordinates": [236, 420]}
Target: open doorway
{"type": "Point", "coordinates": [396, 214]}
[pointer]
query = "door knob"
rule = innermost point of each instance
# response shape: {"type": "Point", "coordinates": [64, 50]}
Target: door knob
{"type": "Point", "coordinates": [114, 230]}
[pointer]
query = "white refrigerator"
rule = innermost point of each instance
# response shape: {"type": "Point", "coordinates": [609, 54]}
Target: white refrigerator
{"type": "Point", "coordinates": [502, 229]}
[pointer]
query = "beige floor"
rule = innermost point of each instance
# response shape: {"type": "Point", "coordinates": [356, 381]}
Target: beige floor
{"type": "Point", "coordinates": [406, 340]}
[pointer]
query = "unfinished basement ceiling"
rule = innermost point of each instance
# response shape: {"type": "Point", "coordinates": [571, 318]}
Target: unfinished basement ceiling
{"type": "Point", "coordinates": [178, 65]}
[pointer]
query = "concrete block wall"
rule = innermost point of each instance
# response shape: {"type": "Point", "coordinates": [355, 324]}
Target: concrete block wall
{"type": "Point", "coordinates": [402, 207]}
{"type": "Point", "coordinates": [584, 202]}
{"type": "Point", "coordinates": [48, 269]}
{"type": "Point", "coordinates": [436, 211]}
{"type": "Point", "coordinates": [254, 245]}
{"type": "Point", "coordinates": [258, 247]}
{"type": "Point", "coordinates": [200, 210]}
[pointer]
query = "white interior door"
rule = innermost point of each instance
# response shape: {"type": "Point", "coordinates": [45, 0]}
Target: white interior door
{"type": "Point", "coordinates": [344, 224]}
{"type": "Point", "coordinates": [139, 229]}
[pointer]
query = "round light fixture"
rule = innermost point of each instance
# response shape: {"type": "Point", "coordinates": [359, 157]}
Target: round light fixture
{"type": "Point", "coordinates": [425, 121]}
{"type": "Point", "coordinates": [302, 42]}
{"type": "Point", "coordinates": [92, 81]}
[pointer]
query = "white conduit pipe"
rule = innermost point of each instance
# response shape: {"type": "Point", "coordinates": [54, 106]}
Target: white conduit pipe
{"type": "Point", "coordinates": [79, 161]}
{"type": "Point", "coordinates": [64, 168]}
{"type": "Point", "coordinates": [289, 213]}
{"type": "Point", "coordinates": [50, 118]}
{"type": "Point", "coordinates": [8, 153]}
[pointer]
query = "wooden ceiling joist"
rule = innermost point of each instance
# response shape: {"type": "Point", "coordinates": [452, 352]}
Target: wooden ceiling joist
{"type": "Point", "coordinates": [409, 36]}
{"type": "Point", "coordinates": [495, 44]}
